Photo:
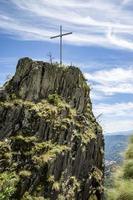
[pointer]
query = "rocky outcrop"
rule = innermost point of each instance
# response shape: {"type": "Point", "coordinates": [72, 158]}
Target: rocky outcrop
{"type": "Point", "coordinates": [51, 143]}
{"type": "Point", "coordinates": [36, 80]}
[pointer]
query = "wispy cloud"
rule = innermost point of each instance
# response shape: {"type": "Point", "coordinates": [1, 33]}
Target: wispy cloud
{"type": "Point", "coordinates": [117, 109]}
{"type": "Point", "coordinates": [105, 84]}
{"type": "Point", "coordinates": [118, 41]}
{"type": "Point", "coordinates": [115, 117]}
{"type": "Point", "coordinates": [127, 2]}
{"type": "Point", "coordinates": [91, 21]}
{"type": "Point", "coordinates": [112, 81]}
{"type": "Point", "coordinates": [95, 22]}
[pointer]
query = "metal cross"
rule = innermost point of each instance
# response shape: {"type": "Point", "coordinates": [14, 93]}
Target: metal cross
{"type": "Point", "coordinates": [60, 36]}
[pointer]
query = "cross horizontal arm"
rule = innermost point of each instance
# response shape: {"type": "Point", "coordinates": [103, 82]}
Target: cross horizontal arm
{"type": "Point", "coordinates": [55, 36]}
{"type": "Point", "coordinates": [66, 33]}
{"type": "Point", "coordinates": [61, 35]}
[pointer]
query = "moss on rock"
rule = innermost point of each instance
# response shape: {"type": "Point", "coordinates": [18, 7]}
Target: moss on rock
{"type": "Point", "coordinates": [49, 136]}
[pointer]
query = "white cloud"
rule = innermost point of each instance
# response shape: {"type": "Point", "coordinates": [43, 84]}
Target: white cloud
{"type": "Point", "coordinates": [117, 125]}
{"type": "Point", "coordinates": [112, 81]}
{"type": "Point", "coordinates": [95, 22]}
{"type": "Point", "coordinates": [91, 21]}
{"type": "Point", "coordinates": [112, 75]}
{"type": "Point", "coordinates": [112, 89]}
{"type": "Point", "coordinates": [115, 117]}
{"type": "Point", "coordinates": [119, 41]}
{"type": "Point", "coordinates": [127, 2]}
{"type": "Point", "coordinates": [117, 109]}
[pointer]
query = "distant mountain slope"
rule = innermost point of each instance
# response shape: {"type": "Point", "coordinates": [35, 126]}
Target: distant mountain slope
{"type": "Point", "coordinates": [115, 145]}
{"type": "Point", "coordinates": [129, 132]}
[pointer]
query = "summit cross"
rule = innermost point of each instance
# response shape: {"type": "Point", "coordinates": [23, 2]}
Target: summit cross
{"type": "Point", "coordinates": [61, 35]}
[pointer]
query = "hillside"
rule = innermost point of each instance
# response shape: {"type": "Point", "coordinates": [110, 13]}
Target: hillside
{"type": "Point", "coordinates": [123, 178]}
{"type": "Point", "coordinates": [51, 146]}
{"type": "Point", "coordinates": [115, 145]}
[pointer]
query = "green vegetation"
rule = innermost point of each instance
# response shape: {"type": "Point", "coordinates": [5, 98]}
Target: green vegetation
{"type": "Point", "coordinates": [51, 153]}
{"type": "Point", "coordinates": [86, 137]}
{"type": "Point", "coordinates": [27, 196]}
{"type": "Point", "coordinates": [47, 109]}
{"type": "Point", "coordinates": [129, 152]}
{"type": "Point", "coordinates": [123, 178]}
{"type": "Point", "coordinates": [23, 149]}
{"type": "Point", "coordinates": [24, 173]}
{"type": "Point", "coordinates": [92, 197]}
{"type": "Point", "coordinates": [97, 174]}
{"type": "Point", "coordinates": [47, 135]}
{"type": "Point", "coordinates": [8, 182]}
{"type": "Point", "coordinates": [69, 187]}
{"type": "Point", "coordinates": [56, 186]}
{"type": "Point", "coordinates": [13, 96]}
{"type": "Point", "coordinates": [54, 99]}
{"type": "Point", "coordinates": [128, 169]}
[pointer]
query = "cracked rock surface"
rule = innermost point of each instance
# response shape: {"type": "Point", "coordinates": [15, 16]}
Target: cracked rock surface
{"type": "Point", "coordinates": [51, 146]}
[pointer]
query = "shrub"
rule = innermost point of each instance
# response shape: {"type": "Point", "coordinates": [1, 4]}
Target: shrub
{"type": "Point", "coordinates": [54, 99]}
{"type": "Point", "coordinates": [123, 179]}
{"type": "Point", "coordinates": [131, 139]}
{"type": "Point", "coordinates": [25, 173]}
{"type": "Point", "coordinates": [8, 181]}
{"type": "Point", "coordinates": [56, 186]}
{"type": "Point", "coordinates": [27, 196]}
{"type": "Point", "coordinates": [129, 153]}
{"type": "Point", "coordinates": [128, 169]}
{"type": "Point", "coordinates": [93, 197]}
{"type": "Point", "coordinates": [125, 196]}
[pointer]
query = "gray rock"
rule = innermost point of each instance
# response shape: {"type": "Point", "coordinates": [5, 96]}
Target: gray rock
{"type": "Point", "coordinates": [55, 142]}
{"type": "Point", "coordinates": [36, 80]}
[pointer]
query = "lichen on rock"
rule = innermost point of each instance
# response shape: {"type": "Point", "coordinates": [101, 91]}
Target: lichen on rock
{"type": "Point", "coordinates": [50, 139]}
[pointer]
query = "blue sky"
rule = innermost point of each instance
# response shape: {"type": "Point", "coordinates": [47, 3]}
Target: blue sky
{"type": "Point", "coordinates": [101, 45]}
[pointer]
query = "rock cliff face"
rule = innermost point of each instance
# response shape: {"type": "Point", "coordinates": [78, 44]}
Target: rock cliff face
{"type": "Point", "coordinates": [51, 144]}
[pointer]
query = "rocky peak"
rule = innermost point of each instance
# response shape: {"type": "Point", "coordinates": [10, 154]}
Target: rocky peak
{"type": "Point", "coordinates": [51, 146]}
{"type": "Point", "coordinates": [35, 80]}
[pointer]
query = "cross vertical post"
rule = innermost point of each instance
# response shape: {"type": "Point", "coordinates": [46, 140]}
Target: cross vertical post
{"type": "Point", "coordinates": [61, 42]}
{"type": "Point", "coordinates": [60, 45]}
